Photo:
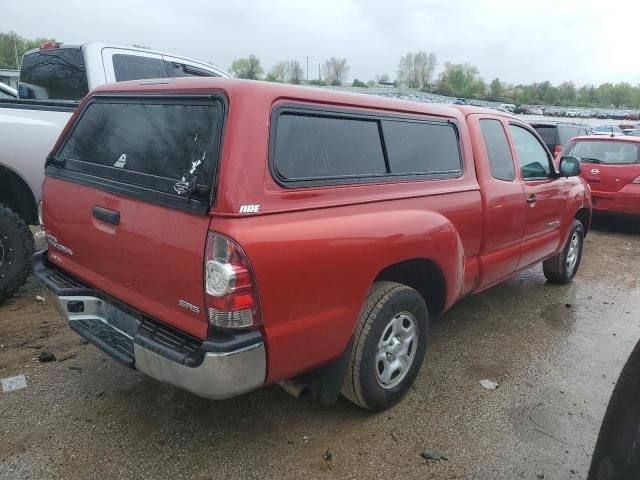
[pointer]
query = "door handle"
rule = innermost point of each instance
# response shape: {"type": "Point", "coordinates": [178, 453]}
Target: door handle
{"type": "Point", "coordinates": [106, 215]}
{"type": "Point", "coordinates": [532, 200]}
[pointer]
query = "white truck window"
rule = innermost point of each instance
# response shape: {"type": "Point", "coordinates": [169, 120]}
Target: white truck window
{"type": "Point", "coordinates": [56, 73]}
{"type": "Point", "coordinates": [136, 67]}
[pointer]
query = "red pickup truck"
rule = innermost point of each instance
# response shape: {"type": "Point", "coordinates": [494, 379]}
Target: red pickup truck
{"type": "Point", "coordinates": [222, 235]}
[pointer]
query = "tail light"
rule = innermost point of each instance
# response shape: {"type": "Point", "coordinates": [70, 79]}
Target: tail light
{"type": "Point", "coordinates": [47, 45]}
{"type": "Point", "coordinates": [231, 294]}
{"type": "Point", "coordinates": [556, 151]}
{"type": "Point", "coordinates": [636, 181]}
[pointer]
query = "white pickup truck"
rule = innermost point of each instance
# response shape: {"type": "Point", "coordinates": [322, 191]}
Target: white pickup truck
{"type": "Point", "coordinates": [53, 79]}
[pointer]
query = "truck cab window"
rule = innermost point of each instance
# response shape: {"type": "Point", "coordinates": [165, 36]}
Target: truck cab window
{"type": "Point", "coordinates": [175, 69]}
{"type": "Point", "coordinates": [137, 67]}
{"type": "Point", "coordinates": [53, 74]}
{"type": "Point", "coordinates": [498, 151]}
{"type": "Point", "coordinates": [532, 156]}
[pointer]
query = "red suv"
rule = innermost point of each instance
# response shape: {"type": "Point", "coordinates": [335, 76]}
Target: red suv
{"type": "Point", "coordinates": [221, 235]}
{"type": "Point", "coordinates": [612, 168]}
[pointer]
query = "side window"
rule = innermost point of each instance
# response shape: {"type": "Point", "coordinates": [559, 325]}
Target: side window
{"type": "Point", "coordinates": [311, 147]}
{"type": "Point", "coordinates": [420, 147]}
{"type": "Point", "coordinates": [498, 151]}
{"type": "Point", "coordinates": [532, 156]}
{"type": "Point", "coordinates": [136, 67]}
{"type": "Point", "coordinates": [175, 69]}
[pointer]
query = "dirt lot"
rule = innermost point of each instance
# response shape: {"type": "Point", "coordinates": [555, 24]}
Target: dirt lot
{"type": "Point", "coordinates": [555, 351]}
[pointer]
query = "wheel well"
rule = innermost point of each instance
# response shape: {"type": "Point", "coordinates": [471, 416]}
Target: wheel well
{"type": "Point", "coordinates": [422, 275]}
{"type": "Point", "coordinates": [584, 216]}
{"type": "Point", "coordinates": [16, 194]}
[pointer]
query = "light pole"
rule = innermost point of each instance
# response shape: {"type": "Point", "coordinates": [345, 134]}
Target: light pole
{"type": "Point", "coordinates": [307, 69]}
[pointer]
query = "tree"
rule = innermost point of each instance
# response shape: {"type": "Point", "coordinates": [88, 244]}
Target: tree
{"type": "Point", "coordinates": [278, 73]}
{"type": "Point", "coordinates": [247, 68]}
{"type": "Point", "coordinates": [567, 93]}
{"type": "Point", "coordinates": [13, 47]}
{"type": "Point", "coordinates": [295, 74]}
{"type": "Point", "coordinates": [416, 70]}
{"type": "Point", "coordinates": [406, 71]}
{"type": "Point", "coordinates": [424, 65]}
{"type": "Point", "coordinates": [383, 79]}
{"type": "Point", "coordinates": [461, 80]}
{"type": "Point", "coordinates": [358, 83]}
{"type": "Point", "coordinates": [496, 90]}
{"type": "Point", "coordinates": [335, 70]}
{"type": "Point", "coordinates": [620, 94]}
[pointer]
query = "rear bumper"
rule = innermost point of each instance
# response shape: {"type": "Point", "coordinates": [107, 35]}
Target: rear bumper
{"type": "Point", "coordinates": [220, 367]}
{"type": "Point", "coordinates": [626, 200]}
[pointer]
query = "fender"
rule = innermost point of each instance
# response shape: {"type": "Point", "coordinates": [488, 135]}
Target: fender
{"type": "Point", "coordinates": [16, 194]}
{"type": "Point", "coordinates": [578, 197]}
{"type": "Point", "coordinates": [312, 251]}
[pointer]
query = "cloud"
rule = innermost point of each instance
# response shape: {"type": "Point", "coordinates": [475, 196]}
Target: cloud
{"type": "Point", "coordinates": [520, 42]}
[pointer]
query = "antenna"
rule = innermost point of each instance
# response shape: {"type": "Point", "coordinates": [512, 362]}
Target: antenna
{"type": "Point", "coordinates": [591, 89]}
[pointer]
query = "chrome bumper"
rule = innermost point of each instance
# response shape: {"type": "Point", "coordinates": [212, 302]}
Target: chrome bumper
{"type": "Point", "coordinates": [218, 376]}
{"type": "Point", "coordinates": [218, 368]}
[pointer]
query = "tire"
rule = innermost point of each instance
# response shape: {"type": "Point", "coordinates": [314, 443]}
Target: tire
{"type": "Point", "coordinates": [564, 266]}
{"type": "Point", "coordinates": [382, 343]}
{"type": "Point", "coordinates": [16, 248]}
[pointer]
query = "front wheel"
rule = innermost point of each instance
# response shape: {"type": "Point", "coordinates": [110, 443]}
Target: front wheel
{"type": "Point", "coordinates": [564, 266]}
{"type": "Point", "coordinates": [389, 346]}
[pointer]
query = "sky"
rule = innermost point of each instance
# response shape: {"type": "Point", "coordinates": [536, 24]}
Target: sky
{"type": "Point", "coordinates": [588, 42]}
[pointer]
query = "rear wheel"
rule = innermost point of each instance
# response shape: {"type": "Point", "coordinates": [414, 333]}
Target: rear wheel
{"type": "Point", "coordinates": [389, 346]}
{"type": "Point", "coordinates": [564, 266]}
{"type": "Point", "coordinates": [16, 248]}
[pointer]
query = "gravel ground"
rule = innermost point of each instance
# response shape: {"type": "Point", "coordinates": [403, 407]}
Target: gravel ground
{"type": "Point", "coordinates": [555, 351]}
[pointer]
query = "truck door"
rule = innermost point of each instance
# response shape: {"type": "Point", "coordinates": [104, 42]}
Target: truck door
{"type": "Point", "coordinates": [502, 198]}
{"type": "Point", "coordinates": [544, 196]}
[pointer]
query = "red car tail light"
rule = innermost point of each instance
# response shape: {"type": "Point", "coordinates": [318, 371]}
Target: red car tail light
{"type": "Point", "coordinates": [557, 150]}
{"type": "Point", "coordinates": [231, 294]}
{"type": "Point", "coordinates": [636, 181]}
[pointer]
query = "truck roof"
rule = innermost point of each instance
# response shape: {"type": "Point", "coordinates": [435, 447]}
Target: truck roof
{"type": "Point", "coordinates": [283, 91]}
{"type": "Point", "coordinates": [97, 47]}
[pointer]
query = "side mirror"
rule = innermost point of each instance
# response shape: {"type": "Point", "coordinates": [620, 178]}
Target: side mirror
{"type": "Point", "coordinates": [570, 167]}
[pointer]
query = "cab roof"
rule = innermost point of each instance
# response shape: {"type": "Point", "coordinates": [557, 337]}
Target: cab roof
{"type": "Point", "coordinates": [279, 91]}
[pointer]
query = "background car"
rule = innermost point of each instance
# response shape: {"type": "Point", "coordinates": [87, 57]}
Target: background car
{"type": "Point", "coordinates": [555, 135]}
{"type": "Point", "coordinates": [611, 166]}
{"type": "Point", "coordinates": [612, 130]}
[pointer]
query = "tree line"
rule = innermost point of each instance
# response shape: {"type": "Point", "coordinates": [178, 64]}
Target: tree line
{"type": "Point", "coordinates": [416, 70]}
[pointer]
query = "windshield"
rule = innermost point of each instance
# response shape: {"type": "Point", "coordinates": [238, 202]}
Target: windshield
{"type": "Point", "coordinates": [612, 153]}
{"type": "Point", "coordinates": [53, 74]}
